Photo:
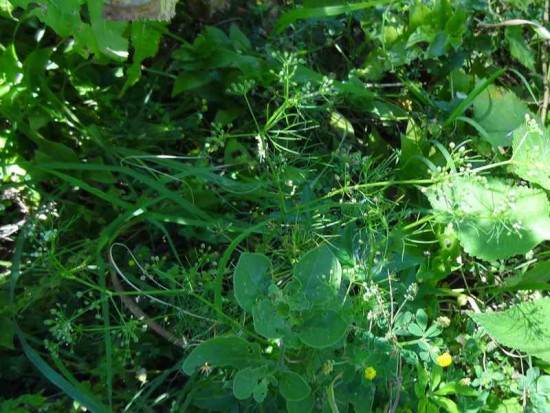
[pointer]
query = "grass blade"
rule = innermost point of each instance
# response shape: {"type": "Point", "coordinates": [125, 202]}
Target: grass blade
{"type": "Point", "coordinates": [465, 104]}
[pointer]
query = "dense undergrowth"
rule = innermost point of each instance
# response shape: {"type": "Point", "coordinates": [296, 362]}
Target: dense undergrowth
{"type": "Point", "coordinates": [263, 206]}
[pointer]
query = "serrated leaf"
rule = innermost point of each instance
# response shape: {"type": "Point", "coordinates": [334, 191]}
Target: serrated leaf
{"type": "Point", "coordinates": [493, 219]}
{"type": "Point", "coordinates": [222, 352]}
{"type": "Point", "coordinates": [63, 16]}
{"type": "Point", "coordinates": [320, 275]}
{"type": "Point", "coordinates": [519, 47]}
{"type": "Point", "coordinates": [499, 111]}
{"type": "Point", "coordinates": [252, 279]}
{"type": "Point", "coordinates": [523, 327]}
{"type": "Point", "coordinates": [293, 387]}
{"type": "Point", "coordinates": [531, 160]}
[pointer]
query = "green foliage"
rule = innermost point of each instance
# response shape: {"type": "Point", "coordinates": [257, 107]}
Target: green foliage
{"type": "Point", "coordinates": [523, 327]}
{"type": "Point", "coordinates": [499, 112]}
{"type": "Point", "coordinates": [493, 219]}
{"type": "Point", "coordinates": [531, 157]}
{"type": "Point", "coordinates": [289, 206]}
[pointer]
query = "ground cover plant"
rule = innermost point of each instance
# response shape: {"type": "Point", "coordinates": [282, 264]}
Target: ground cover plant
{"type": "Point", "coordinates": [302, 206]}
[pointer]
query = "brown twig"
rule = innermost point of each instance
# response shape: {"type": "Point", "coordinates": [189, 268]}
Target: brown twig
{"type": "Point", "coordinates": [140, 315]}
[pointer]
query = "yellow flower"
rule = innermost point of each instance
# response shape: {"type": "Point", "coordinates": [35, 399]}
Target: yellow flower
{"type": "Point", "coordinates": [370, 373]}
{"type": "Point", "coordinates": [445, 359]}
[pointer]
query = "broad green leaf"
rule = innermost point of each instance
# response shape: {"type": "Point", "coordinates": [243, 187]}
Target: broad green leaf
{"type": "Point", "coordinates": [301, 406]}
{"type": "Point", "coordinates": [252, 278]}
{"type": "Point", "coordinates": [139, 9]}
{"type": "Point", "coordinates": [519, 47]}
{"type": "Point", "coordinates": [523, 327]}
{"type": "Point", "coordinates": [499, 111]}
{"type": "Point", "coordinates": [63, 16]}
{"type": "Point", "coordinates": [239, 39]}
{"type": "Point", "coordinates": [531, 159]}
{"type": "Point", "coordinates": [10, 64]}
{"type": "Point", "coordinates": [213, 396]}
{"type": "Point", "coordinates": [293, 387]}
{"type": "Point", "coordinates": [223, 352]}
{"type": "Point", "coordinates": [537, 278]}
{"type": "Point", "coordinates": [497, 405]}
{"type": "Point", "coordinates": [320, 274]}
{"type": "Point", "coordinates": [493, 219]}
{"type": "Point", "coordinates": [323, 330]}
{"type": "Point", "coordinates": [456, 388]}
{"type": "Point", "coordinates": [246, 381]}
{"type": "Point", "coordinates": [267, 321]}
{"type": "Point", "coordinates": [108, 35]}
{"type": "Point", "coordinates": [145, 40]}
{"type": "Point", "coordinates": [456, 26]}
{"type": "Point", "coordinates": [447, 404]}
{"type": "Point", "coordinates": [419, 15]}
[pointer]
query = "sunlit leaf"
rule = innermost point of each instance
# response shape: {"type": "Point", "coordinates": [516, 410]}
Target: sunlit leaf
{"type": "Point", "coordinates": [499, 111]}
{"type": "Point", "coordinates": [531, 158]}
{"type": "Point", "coordinates": [524, 327]}
{"type": "Point", "coordinates": [493, 220]}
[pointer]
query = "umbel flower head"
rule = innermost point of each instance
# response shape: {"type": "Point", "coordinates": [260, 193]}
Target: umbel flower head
{"type": "Point", "coordinates": [445, 359]}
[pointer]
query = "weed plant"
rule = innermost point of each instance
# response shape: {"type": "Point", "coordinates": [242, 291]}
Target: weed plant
{"type": "Point", "coordinates": [307, 207]}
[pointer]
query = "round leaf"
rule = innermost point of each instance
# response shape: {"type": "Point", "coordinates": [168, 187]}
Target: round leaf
{"type": "Point", "coordinates": [293, 386]}
{"type": "Point", "coordinates": [252, 279]}
{"type": "Point", "coordinates": [320, 274]}
{"type": "Point", "coordinates": [323, 330]}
